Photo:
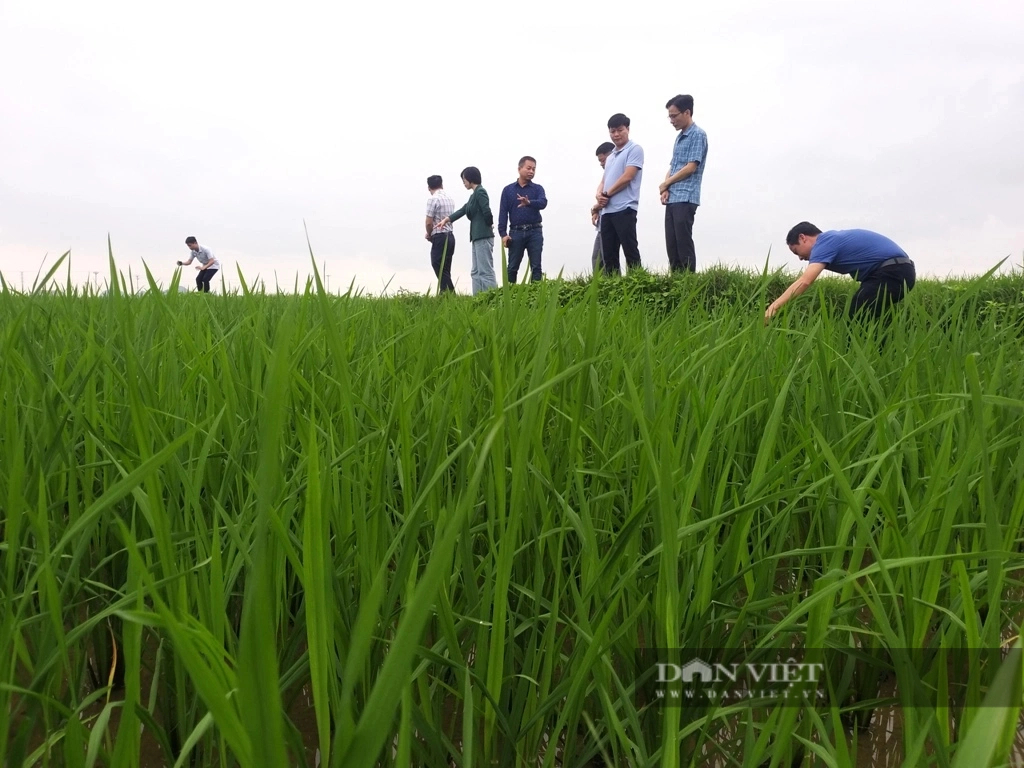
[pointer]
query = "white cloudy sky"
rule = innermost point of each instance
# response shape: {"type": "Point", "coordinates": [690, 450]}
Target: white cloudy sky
{"type": "Point", "coordinates": [237, 122]}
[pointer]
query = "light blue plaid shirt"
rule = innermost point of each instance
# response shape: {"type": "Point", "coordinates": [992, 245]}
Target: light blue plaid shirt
{"type": "Point", "coordinates": [691, 146]}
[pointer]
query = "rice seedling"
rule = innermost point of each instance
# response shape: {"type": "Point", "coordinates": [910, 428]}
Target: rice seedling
{"type": "Point", "coordinates": [275, 529]}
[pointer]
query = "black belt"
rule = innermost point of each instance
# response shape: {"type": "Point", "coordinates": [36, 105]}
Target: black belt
{"type": "Point", "coordinates": [896, 260]}
{"type": "Point", "coordinates": [520, 227]}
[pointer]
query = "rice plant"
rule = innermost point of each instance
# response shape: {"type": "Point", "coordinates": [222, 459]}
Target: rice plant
{"type": "Point", "coordinates": [275, 529]}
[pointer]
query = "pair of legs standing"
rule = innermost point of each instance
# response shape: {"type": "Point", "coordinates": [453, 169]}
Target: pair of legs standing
{"type": "Point", "coordinates": [682, 256]}
{"type": "Point", "coordinates": [597, 257]}
{"type": "Point", "coordinates": [531, 242]}
{"type": "Point", "coordinates": [482, 271]}
{"type": "Point", "coordinates": [442, 248]}
{"type": "Point", "coordinates": [619, 229]}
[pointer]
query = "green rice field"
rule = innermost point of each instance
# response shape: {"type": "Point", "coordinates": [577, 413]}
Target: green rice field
{"type": "Point", "coordinates": [268, 529]}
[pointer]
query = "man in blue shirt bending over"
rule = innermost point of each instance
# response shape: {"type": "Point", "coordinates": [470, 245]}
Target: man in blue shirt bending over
{"type": "Point", "coordinates": [519, 220]}
{"type": "Point", "coordinates": [883, 269]}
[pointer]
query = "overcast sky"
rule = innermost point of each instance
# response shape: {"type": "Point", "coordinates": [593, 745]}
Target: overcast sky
{"type": "Point", "coordinates": [236, 124]}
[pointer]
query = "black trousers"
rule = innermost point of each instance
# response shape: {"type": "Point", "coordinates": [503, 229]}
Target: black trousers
{"type": "Point", "coordinates": [442, 248]}
{"type": "Point", "coordinates": [883, 289]}
{"type": "Point", "coordinates": [203, 279]}
{"type": "Point", "coordinates": [682, 256]}
{"type": "Point", "coordinates": [619, 229]}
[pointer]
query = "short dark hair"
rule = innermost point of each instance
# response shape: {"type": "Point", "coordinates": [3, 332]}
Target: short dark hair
{"type": "Point", "coordinates": [434, 182]}
{"type": "Point", "coordinates": [189, 240]}
{"type": "Point", "coordinates": [472, 175]}
{"type": "Point", "coordinates": [524, 159]}
{"type": "Point", "coordinates": [682, 102]}
{"type": "Point", "coordinates": [605, 148]}
{"type": "Point", "coordinates": [803, 228]}
{"type": "Point", "coordinates": [618, 120]}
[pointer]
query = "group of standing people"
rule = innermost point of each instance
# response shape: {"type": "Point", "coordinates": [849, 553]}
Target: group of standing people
{"type": "Point", "coordinates": [519, 226]}
{"type": "Point", "coordinates": [614, 214]}
{"type": "Point", "coordinates": [883, 269]}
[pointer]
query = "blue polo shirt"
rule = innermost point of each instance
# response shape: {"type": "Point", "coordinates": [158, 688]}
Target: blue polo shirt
{"type": "Point", "coordinates": [855, 252]}
{"type": "Point", "coordinates": [631, 155]}
{"type": "Point", "coordinates": [691, 147]}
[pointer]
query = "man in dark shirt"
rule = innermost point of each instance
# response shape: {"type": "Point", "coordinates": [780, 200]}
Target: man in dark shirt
{"type": "Point", "coordinates": [519, 220]}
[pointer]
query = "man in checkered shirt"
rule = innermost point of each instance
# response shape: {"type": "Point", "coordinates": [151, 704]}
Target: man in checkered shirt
{"type": "Point", "coordinates": [442, 241]}
{"type": "Point", "coordinates": [680, 191]}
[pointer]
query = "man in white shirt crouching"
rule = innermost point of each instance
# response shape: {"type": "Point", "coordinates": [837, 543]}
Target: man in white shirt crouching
{"type": "Point", "coordinates": [208, 264]}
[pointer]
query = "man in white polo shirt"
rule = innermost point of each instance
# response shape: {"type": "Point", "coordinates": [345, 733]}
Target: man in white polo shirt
{"type": "Point", "coordinates": [208, 264]}
{"type": "Point", "coordinates": [619, 196]}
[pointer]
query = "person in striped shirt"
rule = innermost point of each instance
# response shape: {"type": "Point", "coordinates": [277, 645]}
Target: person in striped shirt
{"type": "Point", "coordinates": [680, 191]}
{"type": "Point", "coordinates": [439, 232]}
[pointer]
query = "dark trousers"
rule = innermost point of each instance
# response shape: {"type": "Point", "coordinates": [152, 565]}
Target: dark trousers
{"type": "Point", "coordinates": [682, 256]}
{"type": "Point", "coordinates": [442, 248]}
{"type": "Point", "coordinates": [617, 229]}
{"type": "Point", "coordinates": [883, 289]}
{"type": "Point", "coordinates": [203, 279]}
{"type": "Point", "coordinates": [531, 242]}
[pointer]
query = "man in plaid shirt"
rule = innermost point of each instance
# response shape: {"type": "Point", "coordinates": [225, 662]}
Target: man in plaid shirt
{"type": "Point", "coordinates": [680, 191]}
{"type": "Point", "coordinates": [442, 241]}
